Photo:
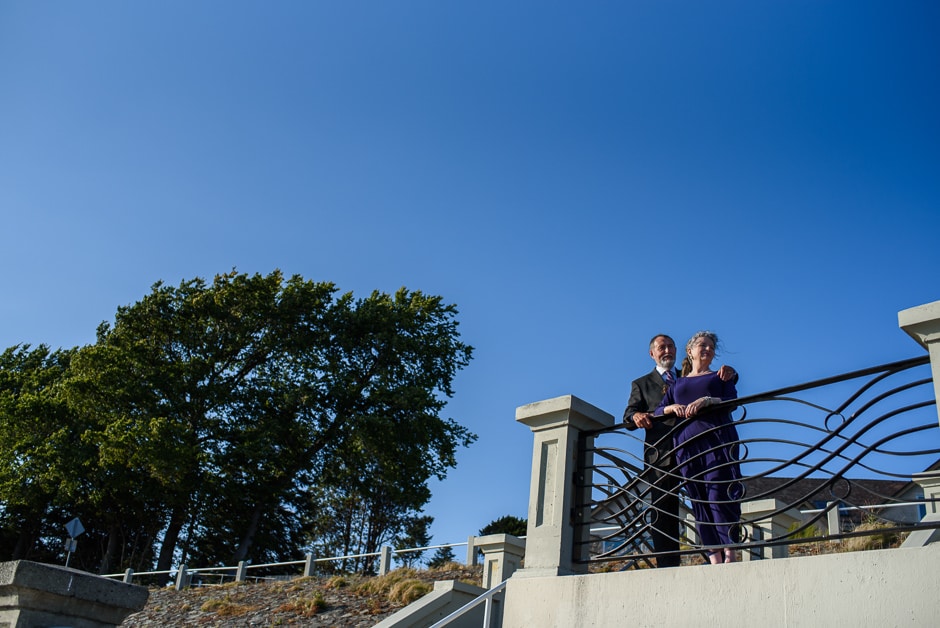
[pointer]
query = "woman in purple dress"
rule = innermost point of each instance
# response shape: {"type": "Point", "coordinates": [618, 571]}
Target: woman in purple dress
{"type": "Point", "coordinates": [706, 447]}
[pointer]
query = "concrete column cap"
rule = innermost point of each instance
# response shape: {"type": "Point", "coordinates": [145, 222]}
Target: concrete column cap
{"type": "Point", "coordinates": [508, 543]}
{"type": "Point", "coordinates": [563, 410]}
{"type": "Point", "coordinates": [922, 323]}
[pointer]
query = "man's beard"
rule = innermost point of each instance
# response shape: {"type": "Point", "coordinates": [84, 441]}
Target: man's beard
{"type": "Point", "coordinates": [667, 363]}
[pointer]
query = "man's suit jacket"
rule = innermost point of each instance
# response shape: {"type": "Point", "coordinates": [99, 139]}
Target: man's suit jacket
{"type": "Point", "coordinates": [645, 394]}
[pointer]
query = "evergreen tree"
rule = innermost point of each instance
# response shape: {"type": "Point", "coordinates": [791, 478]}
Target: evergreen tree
{"type": "Point", "coordinates": [507, 524]}
{"type": "Point", "coordinates": [441, 557]}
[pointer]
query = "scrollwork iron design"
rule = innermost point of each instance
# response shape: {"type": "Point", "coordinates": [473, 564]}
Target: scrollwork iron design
{"type": "Point", "coordinates": [849, 444]}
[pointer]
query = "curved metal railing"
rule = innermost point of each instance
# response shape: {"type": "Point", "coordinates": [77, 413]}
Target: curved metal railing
{"type": "Point", "coordinates": [848, 444]}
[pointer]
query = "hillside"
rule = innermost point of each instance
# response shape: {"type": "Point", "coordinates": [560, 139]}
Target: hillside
{"type": "Point", "coordinates": [339, 602]}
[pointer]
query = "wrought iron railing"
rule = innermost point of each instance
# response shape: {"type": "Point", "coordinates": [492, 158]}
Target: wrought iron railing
{"type": "Point", "coordinates": [848, 444]}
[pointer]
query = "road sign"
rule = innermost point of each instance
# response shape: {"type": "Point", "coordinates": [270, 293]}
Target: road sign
{"type": "Point", "coordinates": [74, 528]}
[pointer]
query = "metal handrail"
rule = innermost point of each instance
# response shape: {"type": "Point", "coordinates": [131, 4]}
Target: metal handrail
{"type": "Point", "coordinates": [469, 606]}
{"type": "Point", "coordinates": [281, 564]}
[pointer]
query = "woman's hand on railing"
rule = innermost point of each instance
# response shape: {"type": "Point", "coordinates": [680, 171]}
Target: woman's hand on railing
{"type": "Point", "coordinates": [700, 404]}
{"type": "Point", "coordinates": [677, 409]}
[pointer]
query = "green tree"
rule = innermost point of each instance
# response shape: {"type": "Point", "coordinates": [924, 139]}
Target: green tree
{"type": "Point", "coordinates": [442, 556]}
{"type": "Point", "coordinates": [221, 409]}
{"type": "Point", "coordinates": [415, 533]}
{"type": "Point", "coordinates": [507, 524]}
{"type": "Point", "coordinates": [39, 448]}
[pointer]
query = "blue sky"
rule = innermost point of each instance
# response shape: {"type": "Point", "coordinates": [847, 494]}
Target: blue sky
{"type": "Point", "coordinates": [574, 177]}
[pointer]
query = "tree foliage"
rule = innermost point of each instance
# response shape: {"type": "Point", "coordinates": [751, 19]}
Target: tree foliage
{"type": "Point", "coordinates": [38, 452]}
{"type": "Point", "coordinates": [247, 418]}
{"type": "Point", "coordinates": [507, 524]}
{"type": "Point", "coordinates": [442, 556]}
{"type": "Point", "coordinates": [415, 534]}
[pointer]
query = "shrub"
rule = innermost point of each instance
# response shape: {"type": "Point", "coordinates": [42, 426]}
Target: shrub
{"type": "Point", "coordinates": [305, 606]}
{"type": "Point", "coordinates": [383, 584]}
{"type": "Point", "coordinates": [407, 591]}
{"type": "Point", "coordinates": [881, 537]}
{"type": "Point", "coordinates": [448, 566]}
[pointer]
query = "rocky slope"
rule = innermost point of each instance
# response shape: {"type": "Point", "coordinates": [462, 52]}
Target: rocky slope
{"type": "Point", "coordinates": [349, 602]}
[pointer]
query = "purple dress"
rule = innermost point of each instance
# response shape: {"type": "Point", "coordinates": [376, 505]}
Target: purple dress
{"type": "Point", "coordinates": [707, 457]}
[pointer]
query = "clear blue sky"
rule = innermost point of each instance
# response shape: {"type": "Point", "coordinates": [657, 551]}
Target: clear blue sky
{"type": "Point", "coordinates": [574, 176]}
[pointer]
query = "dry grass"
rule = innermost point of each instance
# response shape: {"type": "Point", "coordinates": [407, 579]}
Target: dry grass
{"type": "Point", "coordinates": [227, 607]}
{"type": "Point", "coordinates": [381, 585]}
{"type": "Point", "coordinates": [448, 567]}
{"type": "Point", "coordinates": [305, 606]}
{"type": "Point", "coordinates": [407, 591]}
{"type": "Point", "coordinates": [336, 582]}
{"type": "Point", "coordinates": [402, 586]}
{"type": "Point", "coordinates": [882, 537]}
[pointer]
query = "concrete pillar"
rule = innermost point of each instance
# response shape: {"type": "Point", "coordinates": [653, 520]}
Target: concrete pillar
{"type": "Point", "coordinates": [556, 425]}
{"type": "Point", "coordinates": [309, 565]}
{"type": "Point", "coordinates": [765, 522]}
{"type": "Point", "coordinates": [471, 552]}
{"type": "Point", "coordinates": [36, 594]}
{"type": "Point", "coordinates": [502, 556]}
{"type": "Point", "coordinates": [922, 323]}
{"type": "Point", "coordinates": [834, 518]}
{"type": "Point", "coordinates": [240, 571]}
{"type": "Point", "coordinates": [182, 578]}
{"type": "Point", "coordinates": [128, 576]}
{"type": "Point", "coordinates": [691, 532]}
{"type": "Point", "coordinates": [930, 482]}
{"type": "Point", "coordinates": [385, 560]}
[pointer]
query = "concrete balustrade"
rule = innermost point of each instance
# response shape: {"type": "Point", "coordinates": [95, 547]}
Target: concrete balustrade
{"type": "Point", "coordinates": [36, 594]}
{"type": "Point", "coordinates": [922, 323]}
{"type": "Point", "coordinates": [557, 425]}
{"type": "Point", "coordinates": [930, 482]}
{"type": "Point", "coordinates": [766, 521]}
{"type": "Point", "coordinates": [502, 556]}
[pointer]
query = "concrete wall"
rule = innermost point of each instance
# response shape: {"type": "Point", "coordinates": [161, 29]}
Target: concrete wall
{"type": "Point", "coordinates": [896, 587]}
{"type": "Point", "coordinates": [35, 595]}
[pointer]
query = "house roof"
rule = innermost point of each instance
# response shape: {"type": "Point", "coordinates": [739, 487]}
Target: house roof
{"type": "Point", "coordinates": [806, 491]}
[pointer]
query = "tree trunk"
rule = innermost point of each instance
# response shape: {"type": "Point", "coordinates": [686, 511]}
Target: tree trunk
{"type": "Point", "coordinates": [170, 538]}
{"type": "Point", "coordinates": [109, 553]}
{"type": "Point", "coordinates": [249, 537]}
{"type": "Point", "coordinates": [24, 544]}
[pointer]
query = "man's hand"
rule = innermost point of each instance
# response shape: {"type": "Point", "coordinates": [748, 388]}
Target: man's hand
{"type": "Point", "coordinates": [643, 419]}
{"type": "Point", "coordinates": [726, 373]}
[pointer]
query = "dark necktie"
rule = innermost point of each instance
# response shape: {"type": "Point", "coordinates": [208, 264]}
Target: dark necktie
{"type": "Point", "coordinates": [669, 377]}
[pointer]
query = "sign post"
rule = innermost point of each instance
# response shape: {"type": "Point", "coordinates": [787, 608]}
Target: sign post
{"type": "Point", "coordinates": [74, 528]}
